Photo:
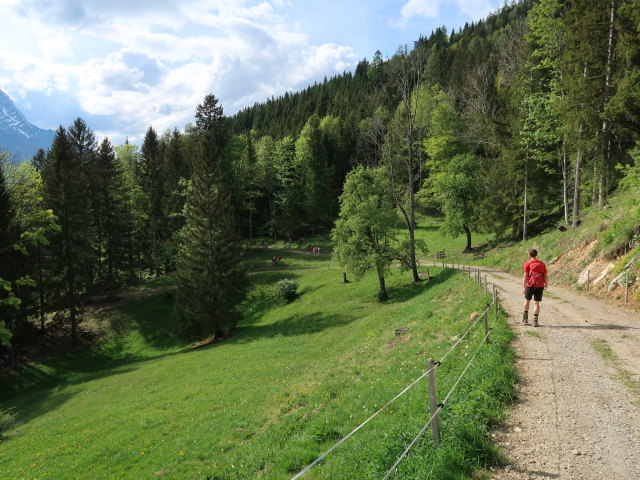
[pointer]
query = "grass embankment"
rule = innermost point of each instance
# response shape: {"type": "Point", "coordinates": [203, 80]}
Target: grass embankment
{"type": "Point", "coordinates": [292, 380]}
{"type": "Point", "coordinates": [604, 233]}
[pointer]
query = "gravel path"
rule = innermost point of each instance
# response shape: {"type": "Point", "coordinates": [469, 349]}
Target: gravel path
{"type": "Point", "coordinates": [577, 414]}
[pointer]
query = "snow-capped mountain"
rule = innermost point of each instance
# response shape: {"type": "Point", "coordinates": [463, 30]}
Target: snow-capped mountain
{"type": "Point", "coordinates": [17, 136]}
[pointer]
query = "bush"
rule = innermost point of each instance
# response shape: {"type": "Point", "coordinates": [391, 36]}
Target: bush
{"type": "Point", "coordinates": [286, 289]}
{"type": "Point", "coordinates": [7, 420]}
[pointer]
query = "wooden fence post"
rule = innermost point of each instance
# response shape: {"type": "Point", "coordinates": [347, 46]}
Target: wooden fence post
{"type": "Point", "coordinates": [486, 321]}
{"type": "Point", "coordinates": [485, 284]}
{"type": "Point", "coordinates": [497, 302]}
{"type": "Point", "coordinates": [588, 274]}
{"type": "Point", "coordinates": [433, 404]}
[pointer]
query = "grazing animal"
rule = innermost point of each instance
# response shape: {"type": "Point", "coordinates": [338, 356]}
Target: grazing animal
{"type": "Point", "coordinates": [276, 259]}
{"type": "Point", "coordinates": [315, 250]}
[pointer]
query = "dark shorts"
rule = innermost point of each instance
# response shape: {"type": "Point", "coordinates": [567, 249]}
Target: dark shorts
{"type": "Point", "coordinates": [535, 292]}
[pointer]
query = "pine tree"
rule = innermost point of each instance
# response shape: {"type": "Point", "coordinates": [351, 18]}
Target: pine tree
{"type": "Point", "coordinates": [211, 280]}
{"type": "Point", "coordinates": [151, 181]}
{"type": "Point", "coordinates": [112, 214]}
{"type": "Point", "coordinates": [66, 192]}
{"type": "Point", "coordinates": [84, 142]}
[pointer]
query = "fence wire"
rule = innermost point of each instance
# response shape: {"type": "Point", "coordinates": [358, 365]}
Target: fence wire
{"type": "Point", "coordinates": [440, 407]}
{"type": "Point", "coordinates": [350, 434]}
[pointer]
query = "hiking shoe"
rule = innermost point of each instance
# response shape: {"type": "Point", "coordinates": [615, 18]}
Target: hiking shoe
{"type": "Point", "coordinates": [535, 323]}
{"type": "Point", "coordinates": [525, 320]}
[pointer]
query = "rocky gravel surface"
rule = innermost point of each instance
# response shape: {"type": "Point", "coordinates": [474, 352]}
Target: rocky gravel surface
{"type": "Point", "coordinates": [577, 415]}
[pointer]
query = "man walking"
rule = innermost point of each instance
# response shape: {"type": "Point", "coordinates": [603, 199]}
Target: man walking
{"type": "Point", "coordinates": [534, 282]}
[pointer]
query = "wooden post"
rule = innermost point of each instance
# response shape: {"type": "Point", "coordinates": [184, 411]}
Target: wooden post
{"type": "Point", "coordinates": [433, 404]}
{"type": "Point", "coordinates": [485, 284]}
{"type": "Point", "coordinates": [493, 292]}
{"type": "Point", "coordinates": [486, 321]}
{"type": "Point", "coordinates": [588, 274]}
{"type": "Point", "coordinates": [497, 303]}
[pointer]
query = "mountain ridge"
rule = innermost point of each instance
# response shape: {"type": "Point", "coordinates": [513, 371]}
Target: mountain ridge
{"type": "Point", "coordinates": [17, 136]}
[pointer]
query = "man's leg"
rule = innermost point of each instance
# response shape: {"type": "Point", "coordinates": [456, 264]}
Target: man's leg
{"type": "Point", "coordinates": [536, 312]}
{"type": "Point", "coordinates": [525, 313]}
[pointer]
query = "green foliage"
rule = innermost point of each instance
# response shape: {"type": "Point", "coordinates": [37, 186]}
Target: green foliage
{"type": "Point", "coordinates": [7, 421]}
{"type": "Point", "coordinates": [66, 193]}
{"type": "Point", "coordinates": [286, 289]}
{"type": "Point", "coordinates": [364, 235]}
{"type": "Point", "coordinates": [211, 278]}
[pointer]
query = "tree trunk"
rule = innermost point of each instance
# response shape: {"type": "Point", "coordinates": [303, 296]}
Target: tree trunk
{"type": "Point", "coordinates": [576, 189]}
{"type": "Point", "coordinates": [565, 183]}
{"type": "Point", "coordinates": [412, 234]}
{"type": "Point", "coordinates": [382, 295]}
{"type": "Point", "coordinates": [467, 232]}
{"type": "Point", "coordinates": [40, 290]}
{"type": "Point", "coordinates": [606, 136]}
{"type": "Point", "coordinates": [525, 203]}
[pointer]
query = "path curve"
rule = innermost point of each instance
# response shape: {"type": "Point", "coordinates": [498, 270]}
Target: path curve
{"type": "Point", "coordinates": [577, 415]}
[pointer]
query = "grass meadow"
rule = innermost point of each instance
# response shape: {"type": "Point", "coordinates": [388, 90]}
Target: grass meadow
{"type": "Point", "coordinates": [292, 380]}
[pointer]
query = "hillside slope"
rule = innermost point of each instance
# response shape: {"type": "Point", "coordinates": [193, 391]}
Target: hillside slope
{"type": "Point", "coordinates": [600, 258]}
{"type": "Point", "coordinates": [292, 380]}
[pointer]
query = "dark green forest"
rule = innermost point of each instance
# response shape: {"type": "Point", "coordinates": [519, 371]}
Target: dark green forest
{"type": "Point", "coordinates": [506, 126]}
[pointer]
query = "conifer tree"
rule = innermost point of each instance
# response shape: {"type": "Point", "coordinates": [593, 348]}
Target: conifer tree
{"type": "Point", "coordinates": [111, 213]}
{"type": "Point", "coordinates": [84, 142]}
{"type": "Point", "coordinates": [66, 192]}
{"type": "Point", "coordinates": [211, 280]}
{"type": "Point", "coordinates": [151, 181]}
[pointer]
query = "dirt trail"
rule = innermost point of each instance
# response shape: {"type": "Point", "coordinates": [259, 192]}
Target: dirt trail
{"type": "Point", "coordinates": [578, 414]}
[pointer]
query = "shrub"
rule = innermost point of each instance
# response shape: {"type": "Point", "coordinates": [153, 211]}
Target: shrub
{"type": "Point", "coordinates": [286, 289]}
{"type": "Point", "coordinates": [7, 420]}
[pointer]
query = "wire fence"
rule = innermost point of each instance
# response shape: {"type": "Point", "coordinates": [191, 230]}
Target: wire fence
{"type": "Point", "coordinates": [435, 407]}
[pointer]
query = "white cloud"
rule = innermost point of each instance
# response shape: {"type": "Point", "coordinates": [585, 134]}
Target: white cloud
{"type": "Point", "coordinates": [153, 67]}
{"type": "Point", "coordinates": [476, 8]}
{"type": "Point", "coordinates": [418, 8]}
{"type": "Point", "coordinates": [430, 9]}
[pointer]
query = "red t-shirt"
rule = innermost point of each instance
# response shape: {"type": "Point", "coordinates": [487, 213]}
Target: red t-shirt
{"type": "Point", "coordinates": [536, 273]}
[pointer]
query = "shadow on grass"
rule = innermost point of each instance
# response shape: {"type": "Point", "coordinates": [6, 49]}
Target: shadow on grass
{"type": "Point", "coordinates": [403, 293]}
{"type": "Point", "coordinates": [299, 324]}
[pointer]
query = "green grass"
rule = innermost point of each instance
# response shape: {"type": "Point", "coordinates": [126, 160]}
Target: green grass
{"type": "Point", "coordinates": [609, 228]}
{"type": "Point", "coordinates": [535, 334]}
{"type": "Point", "coordinates": [603, 349]}
{"type": "Point", "coordinates": [291, 380]}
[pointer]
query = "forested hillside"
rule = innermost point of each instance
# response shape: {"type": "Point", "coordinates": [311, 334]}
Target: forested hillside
{"type": "Point", "coordinates": [509, 124]}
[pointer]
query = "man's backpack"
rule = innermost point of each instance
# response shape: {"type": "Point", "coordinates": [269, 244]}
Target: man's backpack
{"type": "Point", "coordinates": [537, 272]}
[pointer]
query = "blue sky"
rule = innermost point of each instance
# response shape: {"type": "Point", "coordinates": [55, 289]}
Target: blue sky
{"type": "Point", "coordinates": [124, 65]}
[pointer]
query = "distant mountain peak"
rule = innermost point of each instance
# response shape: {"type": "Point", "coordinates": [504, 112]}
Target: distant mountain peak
{"type": "Point", "coordinates": [17, 136]}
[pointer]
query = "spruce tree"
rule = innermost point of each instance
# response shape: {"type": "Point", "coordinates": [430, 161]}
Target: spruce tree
{"type": "Point", "coordinates": [151, 181]}
{"type": "Point", "coordinates": [84, 143]}
{"type": "Point", "coordinates": [66, 192]}
{"type": "Point", "coordinates": [211, 280]}
{"type": "Point", "coordinates": [111, 214]}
